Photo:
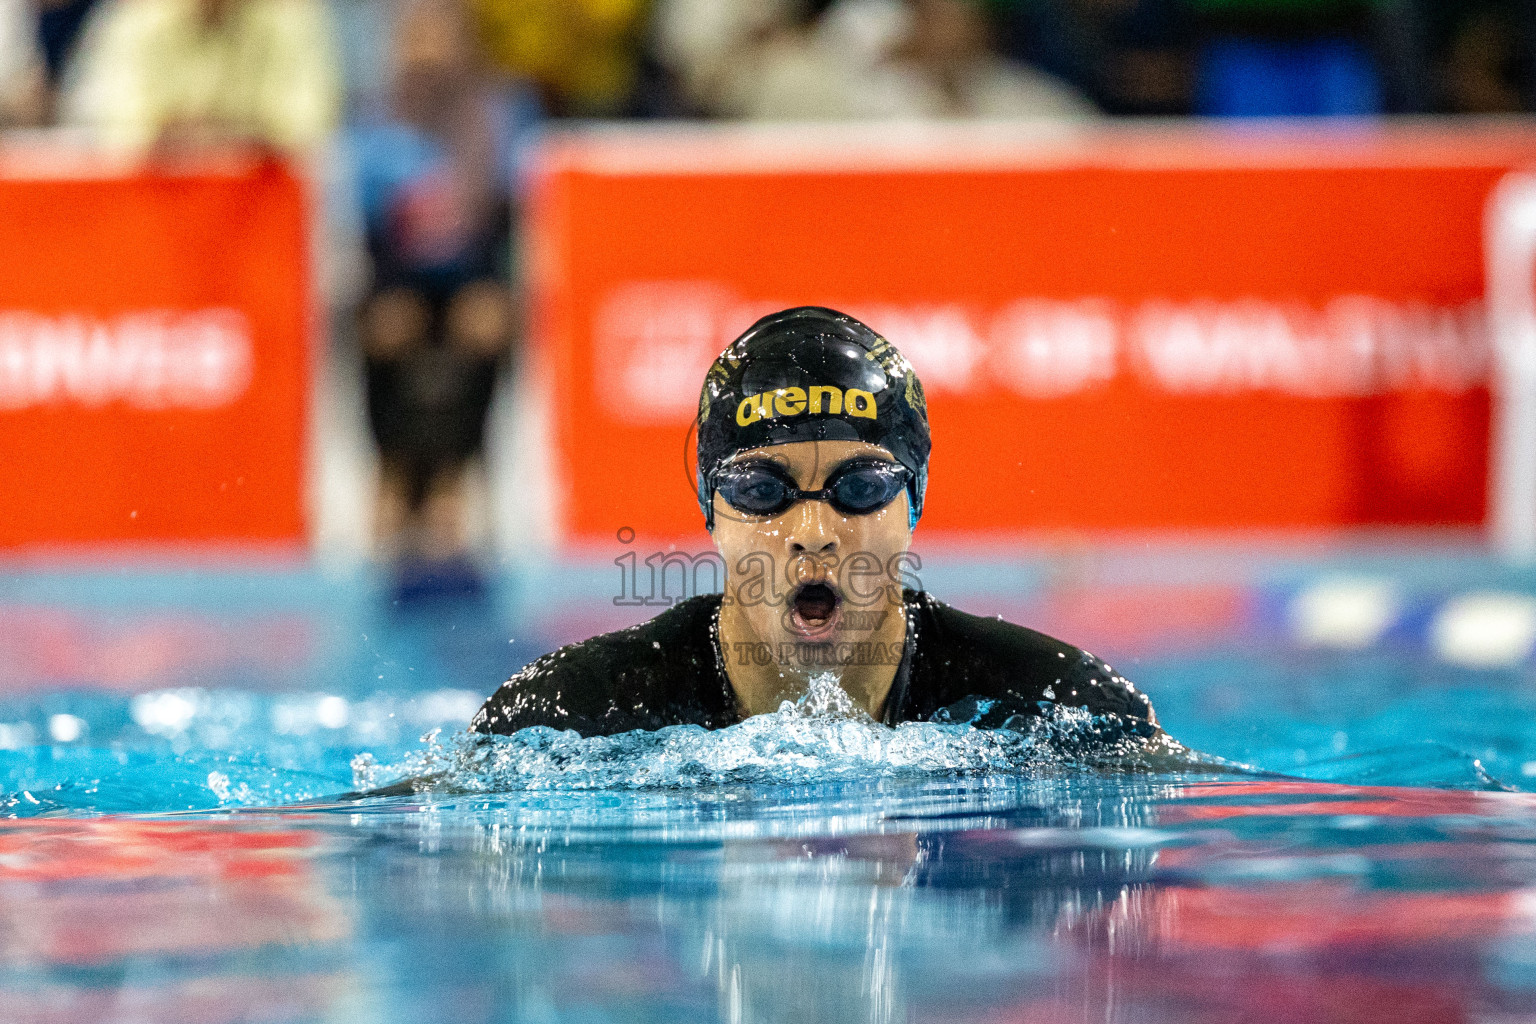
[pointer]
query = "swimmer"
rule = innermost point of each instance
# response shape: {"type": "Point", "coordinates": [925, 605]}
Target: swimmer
{"type": "Point", "coordinates": [812, 466]}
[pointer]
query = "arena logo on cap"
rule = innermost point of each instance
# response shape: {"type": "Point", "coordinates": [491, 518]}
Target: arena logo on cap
{"type": "Point", "coordinates": [817, 399]}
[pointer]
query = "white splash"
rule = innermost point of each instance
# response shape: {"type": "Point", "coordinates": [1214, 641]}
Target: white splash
{"type": "Point", "coordinates": [824, 736]}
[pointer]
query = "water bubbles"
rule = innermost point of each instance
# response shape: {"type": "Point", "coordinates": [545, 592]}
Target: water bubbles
{"type": "Point", "coordinates": [364, 771]}
{"type": "Point", "coordinates": [825, 698]}
{"type": "Point", "coordinates": [221, 787]}
{"type": "Point", "coordinates": [825, 736]}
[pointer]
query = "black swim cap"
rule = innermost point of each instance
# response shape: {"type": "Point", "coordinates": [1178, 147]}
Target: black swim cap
{"type": "Point", "coordinates": [811, 374]}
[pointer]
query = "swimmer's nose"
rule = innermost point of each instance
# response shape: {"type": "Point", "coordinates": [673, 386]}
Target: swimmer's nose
{"type": "Point", "coordinates": [812, 528]}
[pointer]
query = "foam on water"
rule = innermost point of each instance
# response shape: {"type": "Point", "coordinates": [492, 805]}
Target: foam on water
{"type": "Point", "coordinates": [822, 737]}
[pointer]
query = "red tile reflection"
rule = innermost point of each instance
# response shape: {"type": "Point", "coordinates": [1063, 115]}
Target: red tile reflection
{"type": "Point", "coordinates": [119, 895]}
{"type": "Point", "coordinates": [1285, 797]}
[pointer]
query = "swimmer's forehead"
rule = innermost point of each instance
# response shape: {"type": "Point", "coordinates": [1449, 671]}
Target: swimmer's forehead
{"type": "Point", "coordinates": [829, 451]}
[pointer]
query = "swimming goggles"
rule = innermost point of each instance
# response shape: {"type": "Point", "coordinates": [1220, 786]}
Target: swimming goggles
{"type": "Point", "coordinates": [760, 487]}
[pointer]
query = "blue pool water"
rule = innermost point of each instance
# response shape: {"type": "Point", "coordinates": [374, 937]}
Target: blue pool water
{"type": "Point", "coordinates": [1360, 846]}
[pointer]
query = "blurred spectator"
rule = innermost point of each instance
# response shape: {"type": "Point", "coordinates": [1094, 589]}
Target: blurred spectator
{"type": "Point", "coordinates": [23, 75]}
{"type": "Point", "coordinates": [181, 74]}
{"type": "Point", "coordinates": [947, 62]}
{"type": "Point", "coordinates": [59, 24]}
{"type": "Point", "coordinates": [588, 57]}
{"type": "Point", "coordinates": [701, 41]}
{"type": "Point", "coordinates": [1285, 57]}
{"type": "Point", "coordinates": [436, 174]}
{"type": "Point", "coordinates": [364, 31]}
{"type": "Point", "coordinates": [1399, 32]}
{"type": "Point", "coordinates": [1128, 56]}
{"type": "Point", "coordinates": [859, 59]}
{"type": "Point", "coordinates": [37, 38]}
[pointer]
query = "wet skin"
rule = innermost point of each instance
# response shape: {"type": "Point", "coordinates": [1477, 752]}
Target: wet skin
{"type": "Point", "coordinates": [772, 560]}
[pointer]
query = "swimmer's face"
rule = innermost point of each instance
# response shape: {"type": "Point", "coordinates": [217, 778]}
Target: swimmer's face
{"type": "Point", "coordinates": [797, 575]}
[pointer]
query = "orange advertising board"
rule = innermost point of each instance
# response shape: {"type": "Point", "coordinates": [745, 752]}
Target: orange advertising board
{"type": "Point", "coordinates": [153, 357]}
{"type": "Point", "coordinates": [1121, 330]}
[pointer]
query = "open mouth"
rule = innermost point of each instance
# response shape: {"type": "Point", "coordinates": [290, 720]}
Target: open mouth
{"type": "Point", "coordinates": [813, 610]}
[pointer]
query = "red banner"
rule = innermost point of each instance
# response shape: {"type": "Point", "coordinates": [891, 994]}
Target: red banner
{"type": "Point", "coordinates": [1128, 330]}
{"type": "Point", "coordinates": [153, 357]}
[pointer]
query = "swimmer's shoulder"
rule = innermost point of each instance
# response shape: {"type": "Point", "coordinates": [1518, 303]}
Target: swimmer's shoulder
{"type": "Point", "coordinates": [963, 655]}
{"type": "Point", "coordinates": [660, 672]}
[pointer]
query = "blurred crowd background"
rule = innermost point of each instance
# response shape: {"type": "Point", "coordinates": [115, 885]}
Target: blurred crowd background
{"type": "Point", "coordinates": [287, 72]}
{"type": "Point", "coordinates": [421, 114]}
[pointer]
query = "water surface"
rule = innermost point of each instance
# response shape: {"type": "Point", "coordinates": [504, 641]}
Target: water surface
{"type": "Point", "coordinates": [172, 744]}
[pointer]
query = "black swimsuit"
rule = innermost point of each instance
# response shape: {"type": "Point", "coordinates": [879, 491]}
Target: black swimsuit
{"type": "Point", "coordinates": [669, 671]}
